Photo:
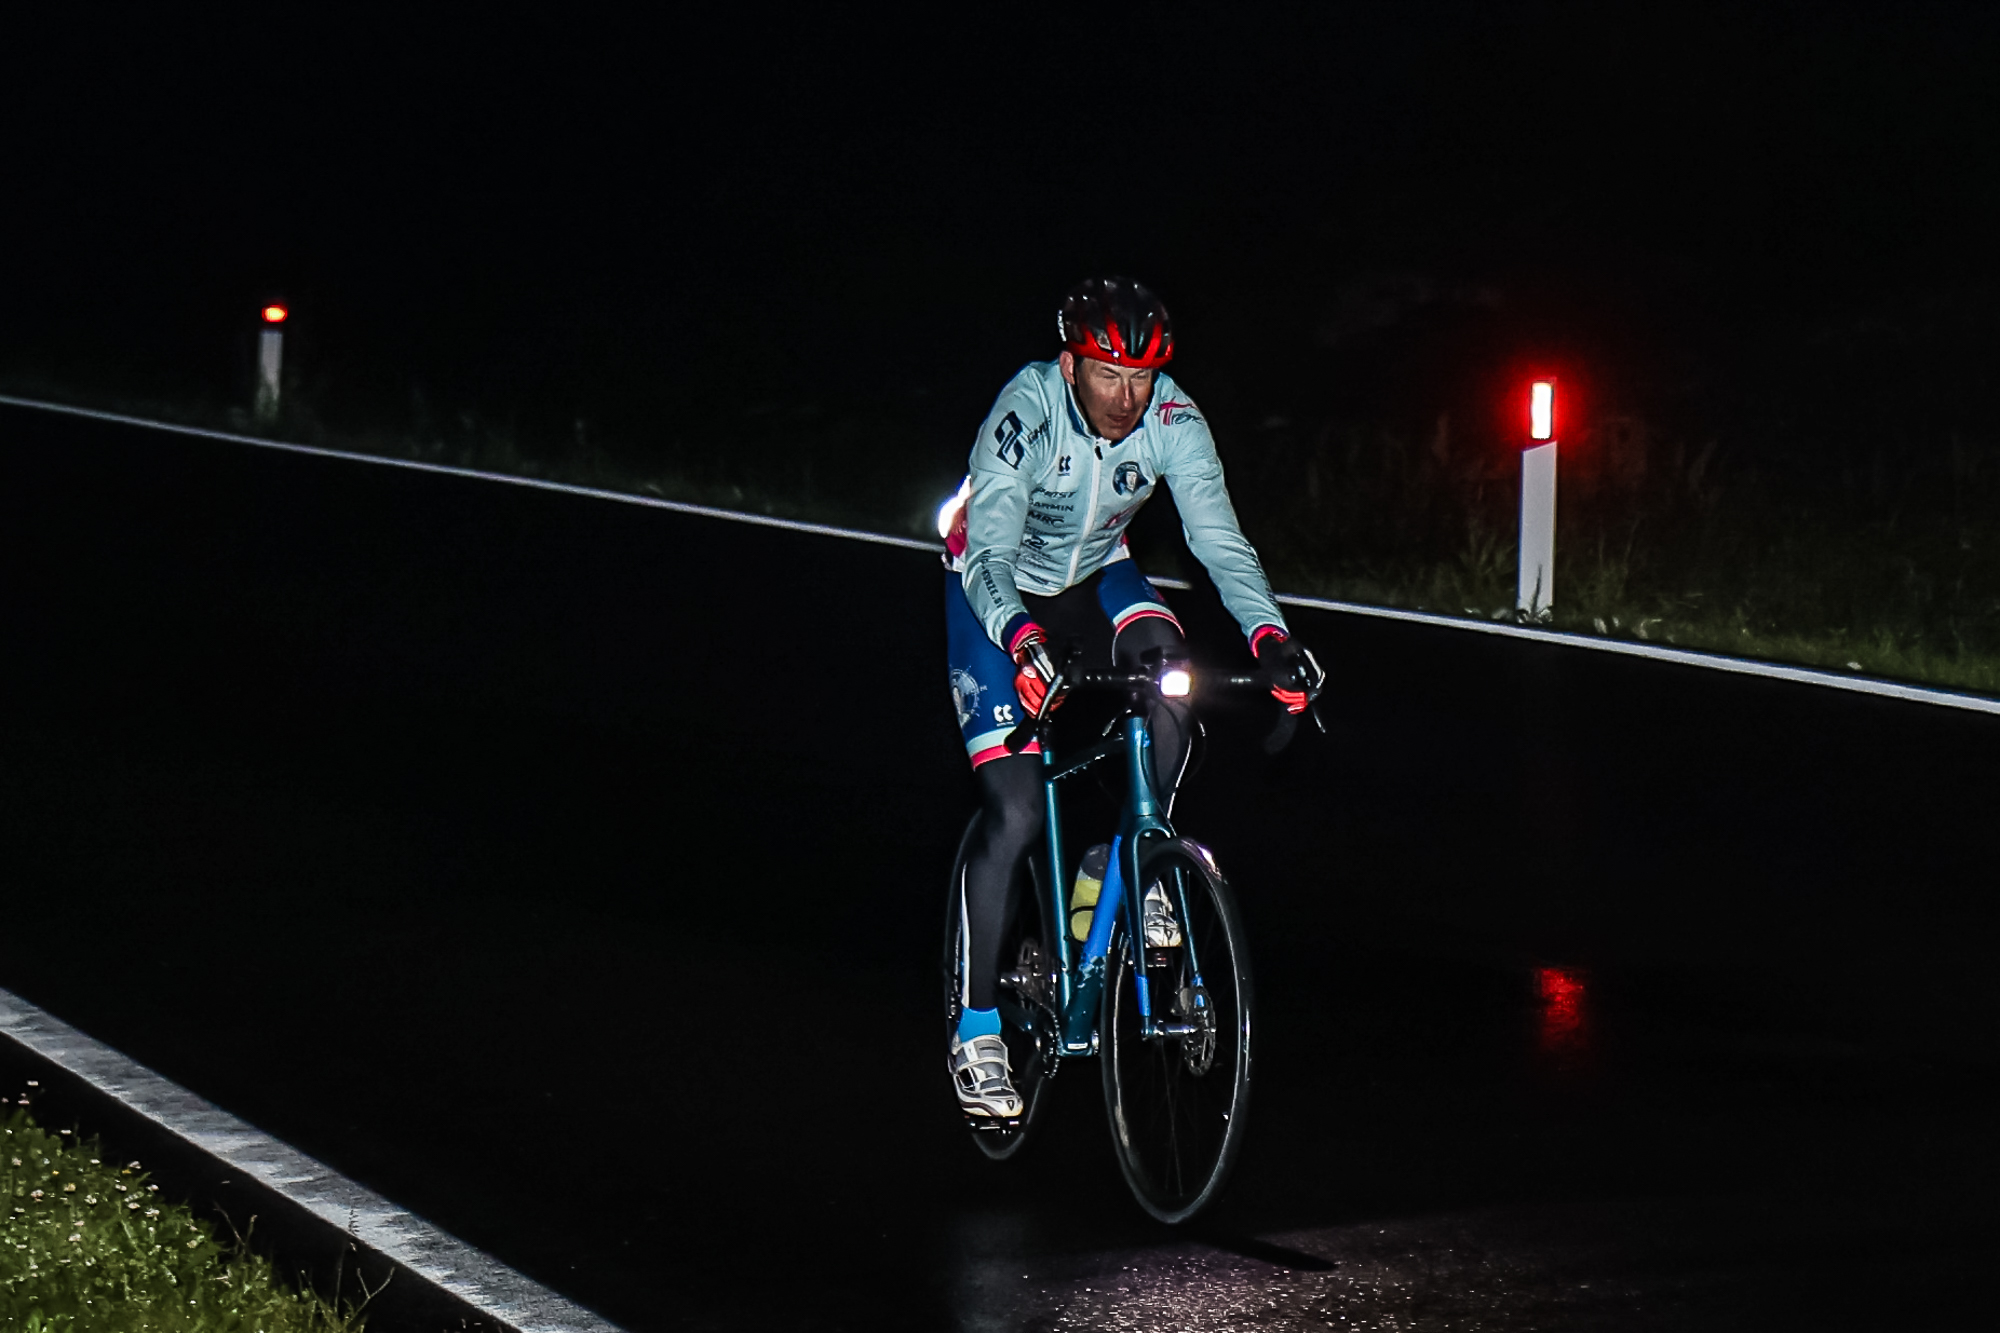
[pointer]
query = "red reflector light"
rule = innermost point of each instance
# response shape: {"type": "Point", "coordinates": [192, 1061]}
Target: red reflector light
{"type": "Point", "coordinates": [1542, 411]}
{"type": "Point", "coordinates": [275, 314]}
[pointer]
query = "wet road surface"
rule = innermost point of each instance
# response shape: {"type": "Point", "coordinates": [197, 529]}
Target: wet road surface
{"type": "Point", "coordinates": [569, 873]}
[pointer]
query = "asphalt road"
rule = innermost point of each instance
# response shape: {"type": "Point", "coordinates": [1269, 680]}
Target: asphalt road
{"type": "Point", "coordinates": [571, 873]}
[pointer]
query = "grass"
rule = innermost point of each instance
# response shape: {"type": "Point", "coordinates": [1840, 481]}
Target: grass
{"type": "Point", "coordinates": [1879, 560]}
{"type": "Point", "coordinates": [89, 1245]}
{"type": "Point", "coordinates": [1884, 565]}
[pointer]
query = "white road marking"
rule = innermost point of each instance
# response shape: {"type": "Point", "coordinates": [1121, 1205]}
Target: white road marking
{"type": "Point", "coordinates": [473, 1276]}
{"type": "Point", "coordinates": [1887, 689]}
{"type": "Point", "coordinates": [533, 483]}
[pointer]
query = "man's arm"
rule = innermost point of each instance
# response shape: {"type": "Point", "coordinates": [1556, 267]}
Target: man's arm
{"type": "Point", "coordinates": [1194, 474]}
{"type": "Point", "coordinates": [1006, 459]}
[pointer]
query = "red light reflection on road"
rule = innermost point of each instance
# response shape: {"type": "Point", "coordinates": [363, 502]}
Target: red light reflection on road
{"type": "Point", "coordinates": [1563, 1030]}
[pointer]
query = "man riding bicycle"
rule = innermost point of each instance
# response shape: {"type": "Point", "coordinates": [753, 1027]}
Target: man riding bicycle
{"type": "Point", "coordinates": [1036, 542]}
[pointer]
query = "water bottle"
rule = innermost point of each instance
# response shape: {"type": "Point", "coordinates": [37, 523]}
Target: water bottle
{"type": "Point", "coordinates": [1083, 894]}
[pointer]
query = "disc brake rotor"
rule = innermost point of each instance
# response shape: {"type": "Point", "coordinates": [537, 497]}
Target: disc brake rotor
{"type": "Point", "coordinates": [1192, 1005]}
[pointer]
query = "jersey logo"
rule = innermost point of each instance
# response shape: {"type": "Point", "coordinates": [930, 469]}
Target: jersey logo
{"type": "Point", "coordinates": [965, 692]}
{"type": "Point", "coordinates": [1128, 479]}
{"type": "Point", "coordinates": [1015, 439]}
{"type": "Point", "coordinates": [1062, 466]}
{"type": "Point", "coordinates": [1009, 433]}
{"type": "Point", "coordinates": [1173, 412]}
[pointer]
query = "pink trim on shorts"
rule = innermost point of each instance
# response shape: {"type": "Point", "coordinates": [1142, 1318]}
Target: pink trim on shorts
{"type": "Point", "coordinates": [1000, 752]}
{"type": "Point", "coordinates": [1141, 613]}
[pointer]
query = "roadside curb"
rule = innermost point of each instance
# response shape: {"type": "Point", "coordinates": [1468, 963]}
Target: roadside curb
{"type": "Point", "coordinates": [1746, 666]}
{"type": "Point", "coordinates": [466, 1274]}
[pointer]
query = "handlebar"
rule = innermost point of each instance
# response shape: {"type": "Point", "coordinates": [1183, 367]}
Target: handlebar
{"type": "Point", "coordinates": [1153, 682]}
{"type": "Point", "coordinates": [1147, 680]}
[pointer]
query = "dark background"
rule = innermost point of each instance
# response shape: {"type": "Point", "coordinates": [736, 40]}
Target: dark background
{"type": "Point", "coordinates": [424, 737]}
{"type": "Point", "coordinates": [1767, 223]}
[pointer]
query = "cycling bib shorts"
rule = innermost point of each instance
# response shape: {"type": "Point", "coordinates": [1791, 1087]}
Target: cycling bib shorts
{"type": "Point", "coordinates": [982, 676]}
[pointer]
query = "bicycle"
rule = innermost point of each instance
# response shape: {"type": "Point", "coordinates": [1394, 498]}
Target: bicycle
{"type": "Point", "coordinates": [1170, 1019]}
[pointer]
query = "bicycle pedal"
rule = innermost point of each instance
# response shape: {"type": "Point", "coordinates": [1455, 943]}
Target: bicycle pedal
{"type": "Point", "coordinates": [986, 1124]}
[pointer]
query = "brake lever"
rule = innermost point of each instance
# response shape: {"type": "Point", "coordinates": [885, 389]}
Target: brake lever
{"type": "Point", "coordinates": [1017, 739]}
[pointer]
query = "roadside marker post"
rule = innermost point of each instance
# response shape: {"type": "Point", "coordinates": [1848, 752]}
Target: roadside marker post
{"type": "Point", "coordinates": [270, 361]}
{"type": "Point", "coordinates": [1535, 594]}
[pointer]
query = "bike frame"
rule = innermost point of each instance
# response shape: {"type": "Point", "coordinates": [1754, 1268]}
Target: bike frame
{"type": "Point", "coordinates": [1081, 977]}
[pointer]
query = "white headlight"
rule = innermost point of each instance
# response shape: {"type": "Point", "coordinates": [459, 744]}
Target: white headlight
{"type": "Point", "coordinates": [1175, 683]}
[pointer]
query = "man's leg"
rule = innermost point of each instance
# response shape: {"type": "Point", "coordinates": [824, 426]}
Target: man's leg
{"type": "Point", "coordinates": [1010, 819]}
{"type": "Point", "coordinates": [1141, 622]}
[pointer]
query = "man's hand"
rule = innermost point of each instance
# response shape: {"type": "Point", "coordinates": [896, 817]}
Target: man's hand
{"type": "Point", "coordinates": [1295, 674]}
{"type": "Point", "coordinates": [1031, 654]}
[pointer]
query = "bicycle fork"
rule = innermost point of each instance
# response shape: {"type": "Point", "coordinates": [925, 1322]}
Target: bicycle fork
{"type": "Point", "coordinates": [1083, 997]}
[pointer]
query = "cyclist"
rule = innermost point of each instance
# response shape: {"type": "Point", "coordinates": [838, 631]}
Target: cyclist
{"type": "Point", "coordinates": [1035, 539]}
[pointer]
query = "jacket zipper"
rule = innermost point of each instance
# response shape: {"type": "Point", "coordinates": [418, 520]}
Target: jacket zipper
{"type": "Point", "coordinates": [1089, 514]}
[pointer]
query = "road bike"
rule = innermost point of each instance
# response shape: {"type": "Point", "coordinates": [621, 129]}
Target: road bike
{"type": "Point", "coordinates": [1165, 1004]}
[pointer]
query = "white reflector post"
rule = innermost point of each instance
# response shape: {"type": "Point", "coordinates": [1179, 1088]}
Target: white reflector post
{"type": "Point", "coordinates": [270, 362]}
{"type": "Point", "coordinates": [1536, 596]}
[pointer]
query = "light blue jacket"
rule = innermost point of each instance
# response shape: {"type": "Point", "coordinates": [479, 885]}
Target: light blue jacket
{"type": "Point", "coordinates": [1051, 500]}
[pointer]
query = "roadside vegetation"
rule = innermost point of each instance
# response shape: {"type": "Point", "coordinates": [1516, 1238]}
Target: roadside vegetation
{"type": "Point", "coordinates": [1883, 565]}
{"type": "Point", "coordinates": [90, 1246]}
{"type": "Point", "coordinates": [1873, 557]}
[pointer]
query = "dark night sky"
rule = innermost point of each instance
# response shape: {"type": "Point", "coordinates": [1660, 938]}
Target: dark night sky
{"type": "Point", "coordinates": [567, 206]}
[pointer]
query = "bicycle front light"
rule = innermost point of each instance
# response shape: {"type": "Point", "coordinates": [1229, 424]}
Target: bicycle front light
{"type": "Point", "coordinates": [1175, 682]}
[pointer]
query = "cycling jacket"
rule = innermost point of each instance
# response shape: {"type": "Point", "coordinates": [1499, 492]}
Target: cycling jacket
{"type": "Point", "coordinates": [1050, 500]}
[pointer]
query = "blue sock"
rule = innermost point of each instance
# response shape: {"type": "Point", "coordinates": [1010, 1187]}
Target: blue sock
{"type": "Point", "coordinates": [978, 1023]}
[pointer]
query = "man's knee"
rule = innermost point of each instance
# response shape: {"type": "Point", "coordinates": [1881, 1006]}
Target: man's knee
{"type": "Point", "coordinates": [1144, 635]}
{"type": "Point", "coordinates": [1011, 799]}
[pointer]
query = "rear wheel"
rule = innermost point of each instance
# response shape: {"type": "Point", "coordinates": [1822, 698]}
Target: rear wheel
{"type": "Point", "coordinates": [1177, 1099]}
{"type": "Point", "coordinates": [1027, 998]}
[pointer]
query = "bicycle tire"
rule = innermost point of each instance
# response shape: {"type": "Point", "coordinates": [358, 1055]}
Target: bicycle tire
{"type": "Point", "coordinates": [1029, 1028]}
{"type": "Point", "coordinates": [1178, 1104]}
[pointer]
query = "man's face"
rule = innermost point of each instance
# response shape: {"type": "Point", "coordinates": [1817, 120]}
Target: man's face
{"type": "Point", "coordinates": [1113, 398]}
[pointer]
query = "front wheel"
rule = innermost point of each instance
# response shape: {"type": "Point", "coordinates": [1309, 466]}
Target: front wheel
{"type": "Point", "coordinates": [1177, 1098]}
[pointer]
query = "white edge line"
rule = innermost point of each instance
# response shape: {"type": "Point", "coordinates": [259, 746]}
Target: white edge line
{"type": "Point", "coordinates": [471, 1275]}
{"type": "Point", "coordinates": [1887, 689]}
{"type": "Point", "coordinates": [444, 470]}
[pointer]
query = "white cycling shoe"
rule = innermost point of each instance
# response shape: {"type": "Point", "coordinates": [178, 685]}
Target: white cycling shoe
{"type": "Point", "coordinates": [1162, 931]}
{"type": "Point", "coordinates": [984, 1078]}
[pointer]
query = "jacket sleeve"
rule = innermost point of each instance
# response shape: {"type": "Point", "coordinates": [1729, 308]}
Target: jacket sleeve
{"type": "Point", "coordinates": [1194, 474]}
{"type": "Point", "coordinates": [1006, 458]}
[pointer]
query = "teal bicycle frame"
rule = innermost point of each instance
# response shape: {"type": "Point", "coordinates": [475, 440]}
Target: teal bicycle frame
{"type": "Point", "coordinates": [1080, 979]}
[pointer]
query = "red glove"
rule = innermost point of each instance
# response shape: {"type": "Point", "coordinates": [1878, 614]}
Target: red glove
{"type": "Point", "coordinates": [1031, 654]}
{"type": "Point", "coordinates": [1295, 674]}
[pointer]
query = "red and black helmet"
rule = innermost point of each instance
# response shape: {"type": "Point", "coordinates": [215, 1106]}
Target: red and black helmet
{"type": "Point", "coordinates": [1116, 320]}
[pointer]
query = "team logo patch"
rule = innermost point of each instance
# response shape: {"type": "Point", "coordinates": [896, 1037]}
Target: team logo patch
{"type": "Point", "coordinates": [1009, 433]}
{"type": "Point", "coordinates": [1173, 412]}
{"type": "Point", "coordinates": [965, 692]}
{"type": "Point", "coordinates": [1062, 466]}
{"type": "Point", "coordinates": [1128, 479]}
